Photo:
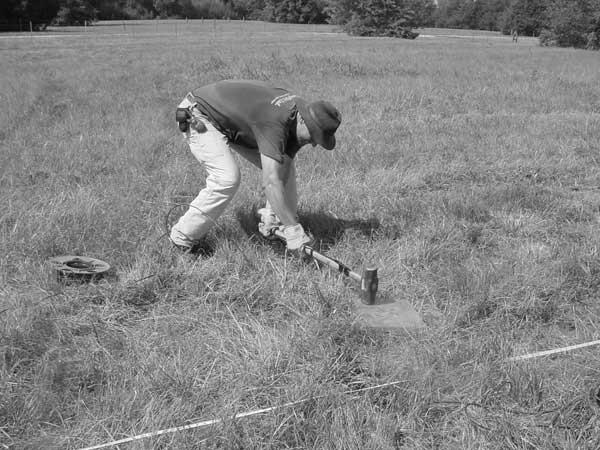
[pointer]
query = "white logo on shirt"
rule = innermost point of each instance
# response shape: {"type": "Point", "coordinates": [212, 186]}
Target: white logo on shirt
{"type": "Point", "coordinates": [284, 98]}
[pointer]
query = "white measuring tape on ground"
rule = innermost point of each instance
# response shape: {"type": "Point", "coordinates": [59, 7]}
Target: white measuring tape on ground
{"type": "Point", "coordinates": [216, 421]}
{"type": "Point", "coordinates": [552, 352]}
{"type": "Point", "coordinates": [273, 408]}
{"type": "Point", "coordinates": [187, 427]}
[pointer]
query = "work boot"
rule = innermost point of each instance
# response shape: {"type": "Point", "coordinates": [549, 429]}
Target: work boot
{"type": "Point", "coordinates": [202, 249]}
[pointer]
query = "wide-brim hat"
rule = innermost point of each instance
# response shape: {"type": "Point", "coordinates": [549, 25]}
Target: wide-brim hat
{"type": "Point", "coordinates": [322, 120]}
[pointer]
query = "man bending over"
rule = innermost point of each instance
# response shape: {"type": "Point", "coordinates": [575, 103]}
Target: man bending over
{"type": "Point", "coordinates": [265, 124]}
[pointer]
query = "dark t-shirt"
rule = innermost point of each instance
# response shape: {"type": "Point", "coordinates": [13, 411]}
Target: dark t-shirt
{"type": "Point", "coordinates": [253, 114]}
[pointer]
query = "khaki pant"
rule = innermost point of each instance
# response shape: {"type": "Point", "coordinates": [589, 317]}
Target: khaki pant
{"type": "Point", "coordinates": [212, 149]}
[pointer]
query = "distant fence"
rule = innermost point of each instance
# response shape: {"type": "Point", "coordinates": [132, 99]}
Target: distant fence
{"type": "Point", "coordinates": [216, 28]}
{"type": "Point", "coordinates": [165, 26]}
{"type": "Point", "coordinates": [20, 26]}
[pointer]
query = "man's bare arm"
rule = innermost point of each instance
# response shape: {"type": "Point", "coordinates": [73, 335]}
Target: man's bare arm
{"type": "Point", "coordinates": [274, 177]}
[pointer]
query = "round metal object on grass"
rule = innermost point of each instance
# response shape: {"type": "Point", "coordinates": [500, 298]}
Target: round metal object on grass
{"type": "Point", "coordinates": [79, 268]}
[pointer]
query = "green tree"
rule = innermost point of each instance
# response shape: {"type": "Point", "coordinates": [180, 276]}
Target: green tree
{"type": "Point", "coordinates": [167, 8]}
{"type": "Point", "coordinates": [39, 12]}
{"type": "Point", "coordinates": [10, 11]}
{"type": "Point", "coordinates": [75, 12]}
{"type": "Point", "coordinates": [378, 17]}
{"type": "Point", "coordinates": [296, 11]}
{"type": "Point", "coordinates": [529, 17]}
{"type": "Point", "coordinates": [212, 9]}
{"type": "Point", "coordinates": [475, 14]}
{"type": "Point", "coordinates": [454, 12]}
{"type": "Point", "coordinates": [492, 13]}
{"type": "Point", "coordinates": [340, 11]}
{"type": "Point", "coordinates": [572, 22]}
{"type": "Point", "coordinates": [423, 12]}
{"type": "Point", "coordinates": [107, 9]}
{"type": "Point", "coordinates": [137, 9]}
{"type": "Point", "coordinates": [470, 14]}
{"type": "Point", "coordinates": [248, 9]}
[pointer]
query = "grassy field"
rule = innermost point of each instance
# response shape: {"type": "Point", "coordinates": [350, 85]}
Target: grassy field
{"type": "Point", "coordinates": [467, 170]}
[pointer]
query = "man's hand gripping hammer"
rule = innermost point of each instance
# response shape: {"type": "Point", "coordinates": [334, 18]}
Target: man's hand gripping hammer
{"type": "Point", "coordinates": [368, 280]}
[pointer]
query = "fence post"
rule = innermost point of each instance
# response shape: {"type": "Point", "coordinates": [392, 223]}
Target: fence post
{"type": "Point", "coordinates": [30, 27]}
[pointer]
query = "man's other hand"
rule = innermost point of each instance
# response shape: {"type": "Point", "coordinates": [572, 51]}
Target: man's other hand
{"type": "Point", "coordinates": [295, 237]}
{"type": "Point", "coordinates": [268, 224]}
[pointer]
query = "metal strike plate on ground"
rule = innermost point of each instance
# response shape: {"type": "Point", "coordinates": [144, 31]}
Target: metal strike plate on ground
{"type": "Point", "coordinates": [388, 314]}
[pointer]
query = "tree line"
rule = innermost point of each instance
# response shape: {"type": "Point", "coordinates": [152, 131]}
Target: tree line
{"type": "Point", "coordinates": [555, 22]}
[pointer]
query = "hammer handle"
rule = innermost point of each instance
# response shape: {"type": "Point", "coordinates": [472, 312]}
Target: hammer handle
{"type": "Point", "coordinates": [333, 263]}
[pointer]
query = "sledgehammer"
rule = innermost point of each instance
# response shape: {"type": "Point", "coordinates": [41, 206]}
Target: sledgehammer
{"type": "Point", "coordinates": [368, 280]}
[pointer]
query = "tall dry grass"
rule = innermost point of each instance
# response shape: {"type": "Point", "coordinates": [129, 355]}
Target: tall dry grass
{"type": "Point", "coordinates": [467, 170]}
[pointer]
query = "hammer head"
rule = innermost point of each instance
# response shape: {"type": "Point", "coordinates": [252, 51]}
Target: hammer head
{"type": "Point", "coordinates": [368, 285]}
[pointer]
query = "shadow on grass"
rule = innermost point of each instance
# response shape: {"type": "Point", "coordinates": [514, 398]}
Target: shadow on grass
{"type": "Point", "coordinates": [326, 228]}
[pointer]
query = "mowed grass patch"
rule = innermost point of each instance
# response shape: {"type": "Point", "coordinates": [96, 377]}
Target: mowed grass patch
{"type": "Point", "coordinates": [466, 171]}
